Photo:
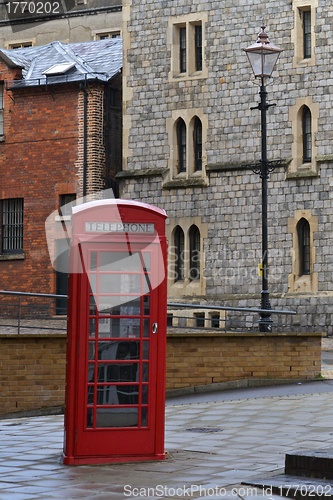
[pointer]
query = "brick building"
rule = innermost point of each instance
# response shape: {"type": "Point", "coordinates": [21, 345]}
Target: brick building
{"type": "Point", "coordinates": [60, 135]}
{"type": "Point", "coordinates": [190, 136]}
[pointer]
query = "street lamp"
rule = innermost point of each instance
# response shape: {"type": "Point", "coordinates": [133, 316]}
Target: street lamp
{"type": "Point", "coordinates": [263, 56]}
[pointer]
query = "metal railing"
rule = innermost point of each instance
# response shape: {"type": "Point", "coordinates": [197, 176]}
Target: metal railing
{"type": "Point", "coordinates": [24, 312]}
{"type": "Point", "coordinates": [224, 318]}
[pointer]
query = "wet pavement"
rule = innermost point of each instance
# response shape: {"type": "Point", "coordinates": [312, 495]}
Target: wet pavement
{"type": "Point", "coordinates": [214, 445]}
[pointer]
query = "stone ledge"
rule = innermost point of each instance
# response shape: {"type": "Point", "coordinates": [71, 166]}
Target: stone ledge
{"type": "Point", "coordinates": [13, 256]}
{"type": "Point", "coordinates": [243, 165]}
{"type": "Point", "coordinates": [324, 159]}
{"type": "Point", "coordinates": [205, 334]}
{"type": "Point", "coordinates": [184, 183]}
{"type": "Point", "coordinates": [302, 174]}
{"type": "Point", "coordinates": [146, 172]}
{"type": "Point", "coordinates": [39, 335]}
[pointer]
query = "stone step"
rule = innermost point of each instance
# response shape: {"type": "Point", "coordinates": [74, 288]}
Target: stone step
{"type": "Point", "coordinates": [314, 464]}
{"type": "Point", "coordinates": [297, 487]}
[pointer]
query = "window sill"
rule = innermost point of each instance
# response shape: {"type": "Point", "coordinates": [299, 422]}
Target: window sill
{"type": "Point", "coordinates": [304, 63]}
{"type": "Point", "coordinates": [196, 75]}
{"type": "Point", "coordinates": [304, 170]}
{"type": "Point", "coordinates": [197, 174]}
{"type": "Point", "coordinates": [12, 256]}
{"type": "Point", "coordinates": [308, 283]}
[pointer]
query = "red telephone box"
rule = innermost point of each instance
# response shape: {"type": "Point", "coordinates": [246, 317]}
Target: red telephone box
{"type": "Point", "coordinates": [116, 352]}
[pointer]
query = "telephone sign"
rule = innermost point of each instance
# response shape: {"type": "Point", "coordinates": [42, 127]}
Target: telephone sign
{"type": "Point", "coordinates": [115, 387]}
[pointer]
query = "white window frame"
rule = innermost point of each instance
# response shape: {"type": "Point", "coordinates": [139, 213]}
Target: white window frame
{"type": "Point", "coordinates": [106, 33]}
{"type": "Point", "coordinates": [20, 44]}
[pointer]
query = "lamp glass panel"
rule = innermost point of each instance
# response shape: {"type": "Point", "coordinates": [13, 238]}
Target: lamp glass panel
{"type": "Point", "coordinates": [256, 62]}
{"type": "Point", "coordinates": [263, 62]}
{"type": "Point", "coordinates": [269, 61]}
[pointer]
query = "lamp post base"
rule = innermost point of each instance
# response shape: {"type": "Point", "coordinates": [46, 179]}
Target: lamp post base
{"type": "Point", "coordinates": [265, 322]}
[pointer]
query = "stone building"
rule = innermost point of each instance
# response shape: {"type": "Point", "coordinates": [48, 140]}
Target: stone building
{"type": "Point", "coordinates": [26, 24]}
{"type": "Point", "coordinates": [190, 138]}
{"type": "Point", "coordinates": [60, 138]}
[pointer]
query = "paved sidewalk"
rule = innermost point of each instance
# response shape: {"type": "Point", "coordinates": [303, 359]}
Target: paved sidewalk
{"type": "Point", "coordinates": [213, 447]}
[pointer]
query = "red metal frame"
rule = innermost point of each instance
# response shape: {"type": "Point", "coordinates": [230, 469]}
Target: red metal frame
{"type": "Point", "coordinates": [115, 391]}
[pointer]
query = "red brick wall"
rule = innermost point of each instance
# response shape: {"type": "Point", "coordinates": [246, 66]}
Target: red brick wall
{"type": "Point", "coordinates": [41, 157]}
{"type": "Point", "coordinates": [37, 163]}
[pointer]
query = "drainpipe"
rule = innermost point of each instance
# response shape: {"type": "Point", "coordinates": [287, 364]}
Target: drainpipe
{"type": "Point", "coordinates": [85, 139]}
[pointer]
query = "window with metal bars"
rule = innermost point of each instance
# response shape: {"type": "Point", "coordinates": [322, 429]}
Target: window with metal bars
{"type": "Point", "coordinates": [307, 34]}
{"type": "Point", "coordinates": [303, 233]}
{"type": "Point", "coordinates": [306, 135]}
{"type": "Point", "coordinates": [12, 226]}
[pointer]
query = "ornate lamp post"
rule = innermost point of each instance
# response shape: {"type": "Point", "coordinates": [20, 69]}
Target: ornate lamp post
{"type": "Point", "coordinates": [263, 56]}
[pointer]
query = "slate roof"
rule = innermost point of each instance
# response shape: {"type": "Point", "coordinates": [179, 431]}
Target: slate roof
{"type": "Point", "coordinates": [100, 60]}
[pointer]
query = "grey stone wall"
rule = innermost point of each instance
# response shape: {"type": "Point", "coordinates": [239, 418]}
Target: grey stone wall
{"type": "Point", "coordinates": [231, 202]}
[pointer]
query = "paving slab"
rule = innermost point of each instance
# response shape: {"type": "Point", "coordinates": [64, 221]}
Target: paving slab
{"type": "Point", "coordinates": [213, 447]}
